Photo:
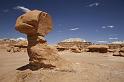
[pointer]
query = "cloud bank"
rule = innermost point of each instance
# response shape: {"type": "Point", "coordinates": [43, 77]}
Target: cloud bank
{"type": "Point", "coordinates": [110, 26]}
{"type": "Point", "coordinates": [102, 41]}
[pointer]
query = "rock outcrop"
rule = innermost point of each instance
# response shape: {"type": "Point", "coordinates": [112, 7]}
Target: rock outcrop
{"type": "Point", "coordinates": [75, 49]}
{"type": "Point", "coordinates": [75, 45]}
{"type": "Point", "coordinates": [122, 51]}
{"type": "Point", "coordinates": [36, 25]}
{"type": "Point", "coordinates": [18, 47]}
{"type": "Point", "coordinates": [119, 52]}
{"type": "Point", "coordinates": [98, 48]}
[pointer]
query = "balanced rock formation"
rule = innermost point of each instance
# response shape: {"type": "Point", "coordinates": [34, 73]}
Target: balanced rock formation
{"type": "Point", "coordinates": [36, 25]}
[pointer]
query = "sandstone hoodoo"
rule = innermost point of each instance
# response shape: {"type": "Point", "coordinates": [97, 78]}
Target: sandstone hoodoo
{"type": "Point", "coordinates": [36, 25]}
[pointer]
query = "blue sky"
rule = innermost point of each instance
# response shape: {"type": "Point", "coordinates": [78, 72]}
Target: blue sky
{"type": "Point", "coordinates": [92, 20]}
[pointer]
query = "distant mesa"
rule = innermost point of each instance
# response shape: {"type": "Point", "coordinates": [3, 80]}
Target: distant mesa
{"type": "Point", "coordinates": [13, 39]}
{"type": "Point", "coordinates": [74, 40]}
{"type": "Point", "coordinates": [118, 42]}
{"type": "Point", "coordinates": [73, 44]}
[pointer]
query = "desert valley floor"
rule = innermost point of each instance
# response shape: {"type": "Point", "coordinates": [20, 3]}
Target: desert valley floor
{"type": "Point", "coordinates": [88, 67]}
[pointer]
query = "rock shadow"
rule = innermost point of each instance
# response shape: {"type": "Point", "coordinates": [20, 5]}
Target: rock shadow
{"type": "Point", "coordinates": [34, 67]}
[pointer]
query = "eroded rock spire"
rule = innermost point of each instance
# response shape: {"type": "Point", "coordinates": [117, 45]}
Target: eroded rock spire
{"type": "Point", "coordinates": [37, 24]}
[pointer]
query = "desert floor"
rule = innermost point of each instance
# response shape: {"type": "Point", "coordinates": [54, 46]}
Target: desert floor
{"type": "Point", "coordinates": [88, 67]}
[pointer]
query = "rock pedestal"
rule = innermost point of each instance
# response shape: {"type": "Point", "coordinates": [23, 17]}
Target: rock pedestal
{"type": "Point", "coordinates": [36, 24]}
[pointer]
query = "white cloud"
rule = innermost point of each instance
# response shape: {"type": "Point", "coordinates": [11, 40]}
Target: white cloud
{"type": "Point", "coordinates": [102, 41]}
{"type": "Point", "coordinates": [73, 29]}
{"type": "Point", "coordinates": [24, 9]}
{"type": "Point", "coordinates": [111, 38]}
{"type": "Point", "coordinates": [21, 38]}
{"type": "Point", "coordinates": [94, 4]}
{"type": "Point", "coordinates": [111, 26]}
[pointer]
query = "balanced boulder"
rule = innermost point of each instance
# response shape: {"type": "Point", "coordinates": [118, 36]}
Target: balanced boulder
{"type": "Point", "coordinates": [36, 25]}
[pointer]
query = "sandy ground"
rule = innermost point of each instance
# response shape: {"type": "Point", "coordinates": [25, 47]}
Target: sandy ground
{"type": "Point", "coordinates": [88, 67]}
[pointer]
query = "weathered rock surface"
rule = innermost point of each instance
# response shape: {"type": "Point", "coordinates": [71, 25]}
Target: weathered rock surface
{"type": "Point", "coordinates": [122, 49]}
{"type": "Point", "coordinates": [34, 22]}
{"type": "Point", "coordinates": [75, 49]}
{"type": "Point", "coordinates": [116, 53]}
{"type": "Point", "coordinates": [18, 46]}
{"type": "Point", "coordinates": [23, 43]}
